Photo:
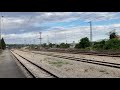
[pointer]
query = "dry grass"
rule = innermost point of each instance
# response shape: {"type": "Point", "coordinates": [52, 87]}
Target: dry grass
{"type": "Point", "coordinates": [58, 63]}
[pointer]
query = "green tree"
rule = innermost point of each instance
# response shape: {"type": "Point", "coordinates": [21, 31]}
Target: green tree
{"type": "Point", "coordinates": [67, 45]}
{"type": "Point", "coordinates": [3, 45]}
{"type": "Point", "coordinates": [84, 42]}
{"type": "Point", "coordinates": [58, 46]}
{"type": "Point", "coordinates": [50, 45]}
{"type": "Point", "coordinates": [77, 45]}
{"type": "Point", "coordinates": [44, 45]}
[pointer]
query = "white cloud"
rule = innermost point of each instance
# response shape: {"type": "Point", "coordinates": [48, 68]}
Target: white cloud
{"type": "Point", "coordinates": [69, 34]}
{"type": "Point", "coordinates": [24, 22]}
{"type": "Point", "coordinates": [45, 17]}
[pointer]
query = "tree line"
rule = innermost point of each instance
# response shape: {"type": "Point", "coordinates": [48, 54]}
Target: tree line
{"type": "Point", "coordinates": [51, 45]}
{"type": "Point", "coordinates": [113, 43]}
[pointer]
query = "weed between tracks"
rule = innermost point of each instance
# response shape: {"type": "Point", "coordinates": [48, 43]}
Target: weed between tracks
{"type": "Point", "coordinates": [58, 63]}
{"type": "Point", "coordinates": [104, 71]}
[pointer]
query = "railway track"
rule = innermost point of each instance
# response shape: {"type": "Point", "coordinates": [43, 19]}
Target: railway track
{"type": "Point", "coordinates": [108, 64]}
{"type": "Point", "coordinates": [86, 53]}
{"type": "Point", "coordinates": [99, 54]}
{"type": "Point", "coordinates": [33, 65]}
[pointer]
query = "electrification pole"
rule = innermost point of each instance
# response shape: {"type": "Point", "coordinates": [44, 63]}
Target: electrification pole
{"type": "Point", "coordinates": [1, 32]}
{"type": "Point", "coordinates": [48, 39]}
{"type": "Point", "coordinates": [40, 39]}
{"type": "Point", "coordinates": [90, 34]}
{"type": "Point", "coordinates": [65, 38]}
{"type": "Point", "coordinates": [55, 39]}
{"type": "Point", "coordinates": [90, 31]}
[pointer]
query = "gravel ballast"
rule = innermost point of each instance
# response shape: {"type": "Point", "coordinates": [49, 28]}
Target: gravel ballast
{"type": "Point", "coordinates": [72, 69]}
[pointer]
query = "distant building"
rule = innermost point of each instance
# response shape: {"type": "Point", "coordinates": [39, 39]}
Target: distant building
{"type": "Point", "coordinates": [118, 36]}
{"type": "Point", "coordinates": [72, 45]}
{"type": "Point", "coordinates": [7, 46]}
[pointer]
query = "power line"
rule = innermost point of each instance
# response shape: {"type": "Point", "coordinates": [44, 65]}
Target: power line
{"type": "Point", "coordinates": [3, 25]}
{"type": "Point", "coordinates": [24, 25]}
{"type": "Point", "coordinates": [28, 21]}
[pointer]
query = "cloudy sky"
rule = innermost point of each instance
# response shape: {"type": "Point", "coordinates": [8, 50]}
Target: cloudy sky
{"type": "Point", "coordinates": [57, 27]}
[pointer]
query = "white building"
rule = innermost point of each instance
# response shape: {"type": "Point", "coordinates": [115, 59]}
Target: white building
{"type": "Point", "coordinates": [72, 45]}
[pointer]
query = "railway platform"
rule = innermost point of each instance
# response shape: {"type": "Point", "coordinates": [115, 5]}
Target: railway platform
{"type": "Point", "coordinates": [8, 67]}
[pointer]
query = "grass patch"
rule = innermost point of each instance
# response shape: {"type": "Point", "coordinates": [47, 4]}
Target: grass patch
{"type": "Point", "coordinates": [58, 63]}
{"type": "Point", "coordinates": [102, 71]}
{"type": "Point", "coordinates": [86, 70]}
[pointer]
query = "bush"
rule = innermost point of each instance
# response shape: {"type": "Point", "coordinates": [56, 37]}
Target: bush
{"type": "Point", "coordinates": [63, 45]}
{"type": "Point", "coordinates": [44, 45]}
{"type": "Point", "coordinates": [77, 45]}
{"type": "Point", "coordinates": [50, 45]}
{"type": "Point", "coordinates": [99, 45]}
{"type": "Point", "coordinates": [112, 44]}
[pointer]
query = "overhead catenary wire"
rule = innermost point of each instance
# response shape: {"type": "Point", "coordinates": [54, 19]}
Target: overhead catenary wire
{"type": "Point", "coordinates": [28, 21]}
{"type": "Point", "coordinates": [25, 24]}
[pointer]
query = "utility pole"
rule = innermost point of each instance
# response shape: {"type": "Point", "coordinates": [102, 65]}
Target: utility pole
{"type": "Point", "coordinates": [65, 38]}
{"type": "Point", "coordinates": [1, 32]}
{"type": "Point", "coordinates": [90, 34]}
{"type": "Point", "coordinates": [90, 31]}
{"type": "Point", "coordinates": [55, 39]}
{"type": "Point", "coordinates": [40, 39]}
{"type": "Point", "coordinates": [33, 43]}
{"type": "Point", "coordinates": [24, 42]}
{"type": "Point", "coordinates": [48, 39]}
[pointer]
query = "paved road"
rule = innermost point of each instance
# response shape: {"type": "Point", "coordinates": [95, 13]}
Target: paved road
{"type": "Point", "coordinates": [8, 67]}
